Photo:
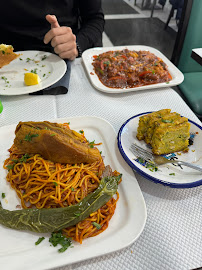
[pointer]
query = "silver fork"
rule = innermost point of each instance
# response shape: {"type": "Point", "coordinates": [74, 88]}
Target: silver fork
{"type": "Point", "coordinates": [159, 160]}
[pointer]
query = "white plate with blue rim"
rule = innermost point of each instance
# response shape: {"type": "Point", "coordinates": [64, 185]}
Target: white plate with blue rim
{"type": "Point", "coordinates": [168, 174]}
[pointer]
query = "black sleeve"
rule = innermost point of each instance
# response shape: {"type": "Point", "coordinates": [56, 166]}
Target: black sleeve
{"type": "Point", "coordinates": [91, 24]}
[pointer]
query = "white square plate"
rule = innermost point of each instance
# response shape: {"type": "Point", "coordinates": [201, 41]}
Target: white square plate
{"type": "Point", "coordinates": [17, 248]}
{"type": "Point", "coordinates": [87, 56]}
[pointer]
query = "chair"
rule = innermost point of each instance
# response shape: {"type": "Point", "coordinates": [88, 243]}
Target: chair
{"type": "Point", "coordinates": [176, 5]}
{"type": "Point", "coordinates": [189, 37]}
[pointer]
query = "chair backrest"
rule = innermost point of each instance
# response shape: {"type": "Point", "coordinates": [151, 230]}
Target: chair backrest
{"type": "Point", "coordinates": [189, 37]}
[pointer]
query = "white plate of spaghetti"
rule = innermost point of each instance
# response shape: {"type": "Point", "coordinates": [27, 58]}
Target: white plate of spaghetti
{"type": "Point", "coordinates": [124, 227]}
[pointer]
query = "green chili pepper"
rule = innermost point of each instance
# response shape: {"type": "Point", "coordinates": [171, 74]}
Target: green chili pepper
{"type": "Point", "coordinates": [55, 219]}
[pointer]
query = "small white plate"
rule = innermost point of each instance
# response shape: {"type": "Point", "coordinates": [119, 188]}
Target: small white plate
{"type": "Point", "coordinates": [168, 174]}
{"type": "Point", "coordinates": [87, 56]}
{"type": "Point", "coordinates": [48, 66]}
{"type": "Point", "coordinates": [17, 248]}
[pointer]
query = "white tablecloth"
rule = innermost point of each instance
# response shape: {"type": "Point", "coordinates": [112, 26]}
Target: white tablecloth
{"type": "Point", "coordinates": [172, 237]}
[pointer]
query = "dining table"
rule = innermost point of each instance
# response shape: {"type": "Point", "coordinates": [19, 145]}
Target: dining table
{"type": "Point", "coordinates": [172, 236]}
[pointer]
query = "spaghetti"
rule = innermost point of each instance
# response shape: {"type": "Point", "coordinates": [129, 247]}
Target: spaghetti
{"type": "Point", "coordinates": [41, 183]}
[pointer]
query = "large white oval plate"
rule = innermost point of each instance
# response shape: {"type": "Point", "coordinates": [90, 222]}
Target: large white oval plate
{"type": "Point", "coordinates": [48, 66]}
{"type": "Point", "coordinates": [87, 56]}
{"type": "Point", "coordinates": [169, 174]}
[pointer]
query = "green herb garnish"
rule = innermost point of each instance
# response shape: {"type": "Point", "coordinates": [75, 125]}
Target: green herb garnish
{"type": "Point", "coordinates": [44, 57]}
{"type": "Point", "coordinates": [58, 238]}
{"type": "Point", "coordinates": [4, 78]}
{"type": "Point", "coordinates": [107, 63]}
{"type": "Point", "coordinates": [167, 121]}
{"type": "Point", "coordinates": [81, 131]}
{"type": "Point", "coordinates": [98, 226]}
{"type": "Point", "coordinates": [101, 71]}
{"type": "Point", "coordinates": [151, 166]}
{"type": "Point", "coordinates": [56, 184]}
{"type": "Point", "coordinates": [34, 71]}
{"type": "Point", "coordinates": [39, 240]}
{"type": "Point", "coordinates": [29, 137]}
{"type": "Point", "coordinates": [10, 166]}
{"type": "Point", "coordinates": [24, 158]}
{"type": "Point", "coordinates": [141, 160]}
{"type": "Point", "coordinates": [171, 173]}
{"type": "Point", "coordinates": [15, 161]}
{"type": "Point", "coordinates": [3, 195]}
{"type": "Point", "coordinates": [92, 144]}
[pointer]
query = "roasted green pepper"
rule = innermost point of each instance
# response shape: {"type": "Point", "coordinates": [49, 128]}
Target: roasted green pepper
{"type": "Point", "coordinates": [55, 219]}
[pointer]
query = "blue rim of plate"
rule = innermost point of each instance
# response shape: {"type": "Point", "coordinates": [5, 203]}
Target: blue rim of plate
{"type": "Point", "coordinates": [149, 177]}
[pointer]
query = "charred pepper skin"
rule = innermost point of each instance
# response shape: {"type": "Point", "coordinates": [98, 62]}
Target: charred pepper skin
{"type": "Point", "coordinates": [55, 219]}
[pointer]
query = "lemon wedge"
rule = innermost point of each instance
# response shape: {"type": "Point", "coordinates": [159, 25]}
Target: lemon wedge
{"type": "Point", "coordinates": [31, 79]}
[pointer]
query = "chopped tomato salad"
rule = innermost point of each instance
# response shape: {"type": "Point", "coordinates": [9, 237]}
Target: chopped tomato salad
{"type": "Point", "coordinates": [128, 69]}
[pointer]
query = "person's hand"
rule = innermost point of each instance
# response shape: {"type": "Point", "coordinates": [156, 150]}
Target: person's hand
{"type": "Point", "coordinates": [62, 39]}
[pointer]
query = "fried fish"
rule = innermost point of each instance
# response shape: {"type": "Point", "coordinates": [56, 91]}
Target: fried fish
{"type": "Point", "coordinates": [7, 54]}
{"type": "Point", "coordinates": [54, 142]}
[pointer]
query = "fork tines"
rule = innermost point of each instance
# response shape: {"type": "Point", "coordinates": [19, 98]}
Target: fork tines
{"type": "Point", "coordinates": [140, 152]}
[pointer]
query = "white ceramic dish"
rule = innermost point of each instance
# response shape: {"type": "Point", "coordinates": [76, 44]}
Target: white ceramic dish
{"type": "Point", "coordinates": [48, 66]}
{"type": "Point", "coordinates": [87, 56]}
{"type": "Point", "coordinates": [168, 174]}
{"type": "Point", "coordinates": [18, 250]}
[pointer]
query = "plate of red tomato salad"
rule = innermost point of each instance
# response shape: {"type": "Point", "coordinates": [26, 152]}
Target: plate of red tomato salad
{"type": "Point", "coordinates": [123, 69]}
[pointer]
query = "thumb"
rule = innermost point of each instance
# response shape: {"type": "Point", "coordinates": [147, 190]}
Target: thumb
{"type": "Point", "coordinates": [52, 20]}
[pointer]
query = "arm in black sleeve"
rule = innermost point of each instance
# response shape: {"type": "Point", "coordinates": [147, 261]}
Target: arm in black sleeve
{"type": "Point", "coordinates": [91, 25]}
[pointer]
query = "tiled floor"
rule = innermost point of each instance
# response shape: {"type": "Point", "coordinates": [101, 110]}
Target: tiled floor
{"type": "Point", "coordinates": [127, 24]}
{"type": "Point", "coordinates": [141, 31]}
{"type": "Point", "coordinates": [117, 7]}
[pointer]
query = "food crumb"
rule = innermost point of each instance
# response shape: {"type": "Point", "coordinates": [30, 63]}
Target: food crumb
{"type": "Point", "coordinates": [179, 154]}
{"type": "Point", "coordinates": [91, 73]}
{"type": "Point", "coordinates": [193, 150]}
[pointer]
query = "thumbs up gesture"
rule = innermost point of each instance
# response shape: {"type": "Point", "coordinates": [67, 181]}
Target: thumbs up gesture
{"type": "Point", "coordinates": [62, 39]}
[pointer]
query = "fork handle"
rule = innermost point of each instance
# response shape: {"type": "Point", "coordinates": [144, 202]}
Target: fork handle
{"type": "Point", "coordinates": [190, 165]}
